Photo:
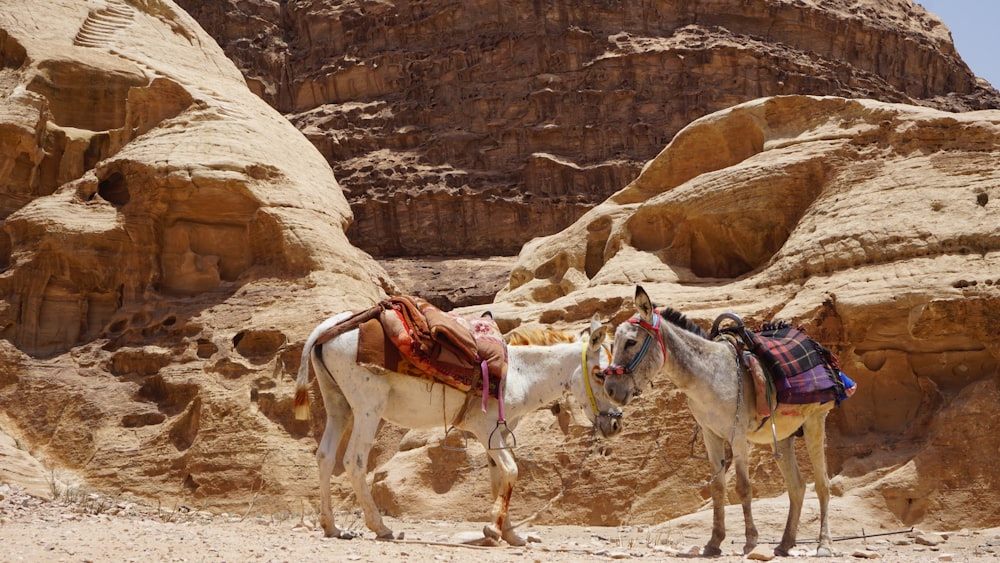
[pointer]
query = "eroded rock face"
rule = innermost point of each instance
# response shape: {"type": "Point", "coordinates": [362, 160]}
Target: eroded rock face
{"type": "Point", "coordinates": [468, 128]}
{"type": "Point", "coordinates": [167, 238]}
{"type": "Point", "coordinates": [169, 243]}
{"type": "Point", "coordinates": [873, 225]}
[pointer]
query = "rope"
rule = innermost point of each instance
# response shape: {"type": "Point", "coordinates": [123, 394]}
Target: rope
{"type": "Point", "coordinates": [579, 470]}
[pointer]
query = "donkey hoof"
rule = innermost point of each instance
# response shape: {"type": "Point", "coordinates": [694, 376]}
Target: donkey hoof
{"type": "Point", "coordinates": [491, 532]}
{"type": "Point", "coordinates": [513, 539]}
{"type": "Point", "coordinates": [823, 551]}
{"type": "Point", "coordinates": [710, 551]}
{"type": "Point", "coordinates": [385, 535]}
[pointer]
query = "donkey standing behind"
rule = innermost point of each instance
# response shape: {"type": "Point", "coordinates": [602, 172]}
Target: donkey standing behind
{"type": "Point", "coordinates": [357, 399]}
{"type": "Point", "coordinates": [721, 398]}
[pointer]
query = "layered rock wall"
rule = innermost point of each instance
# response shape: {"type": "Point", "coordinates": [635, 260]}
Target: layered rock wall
{"type": "Point", "coordinates": [468, 128]}
{"type": "Point", "coordinates": [873, 225]}
{"type": "Point", "coordinates": [160, 257]}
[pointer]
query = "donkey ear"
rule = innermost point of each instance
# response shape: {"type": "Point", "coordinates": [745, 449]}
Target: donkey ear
{"type": "Point", "coordinates": [643, 304]}
{"type": "Point", "coordinates": [597, 331]}
{"type": "Point", "coordinates": [595, 323]}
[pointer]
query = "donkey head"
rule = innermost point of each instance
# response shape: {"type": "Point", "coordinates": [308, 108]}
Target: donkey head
{"type": "Point", "coordinates": [638, 352]}
{"type": "Point", "coordinates": [603, 414]}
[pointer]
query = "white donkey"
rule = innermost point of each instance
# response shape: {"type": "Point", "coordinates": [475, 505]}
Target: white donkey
{"type": "Point", "coordinates": [357, 399]}
{"type": "Point", "coordinates": [721, 398]}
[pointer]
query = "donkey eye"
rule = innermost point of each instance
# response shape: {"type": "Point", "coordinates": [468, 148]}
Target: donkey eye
{"type": "Point", "coordinates": [629, 343]}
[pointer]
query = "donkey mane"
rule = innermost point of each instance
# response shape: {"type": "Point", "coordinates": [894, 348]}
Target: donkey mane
{"type": "Point", "coordinates": [539, 337]}
{"type": "Point", "coordinates": [677, 318]}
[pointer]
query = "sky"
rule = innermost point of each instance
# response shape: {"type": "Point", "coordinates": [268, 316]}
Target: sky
{"type": "Point", "coordinates": [975, 29]}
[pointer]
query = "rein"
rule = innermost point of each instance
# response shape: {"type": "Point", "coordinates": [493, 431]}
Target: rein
{"type": "Point", "coordinates": [597, 372]}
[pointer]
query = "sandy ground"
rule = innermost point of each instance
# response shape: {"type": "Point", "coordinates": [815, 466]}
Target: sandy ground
{"type": "Point", "coordinates": [94, 528]}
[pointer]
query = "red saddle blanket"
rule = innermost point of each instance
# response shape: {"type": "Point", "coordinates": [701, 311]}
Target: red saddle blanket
{"type": "Point", "coordinates": [413, 337]}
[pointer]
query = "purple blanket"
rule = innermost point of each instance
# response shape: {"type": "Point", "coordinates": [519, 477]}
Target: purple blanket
{"type": "Point", "coordinates": [803, 371]}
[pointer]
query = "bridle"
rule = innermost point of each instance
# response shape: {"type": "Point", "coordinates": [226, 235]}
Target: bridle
{"type": "Point", "coordinates": [650, 328]}
{"type": "Point", "coordinates": [599, 375]}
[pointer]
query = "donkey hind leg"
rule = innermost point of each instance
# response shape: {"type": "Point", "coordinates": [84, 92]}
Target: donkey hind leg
{"type": "Point", "coordinates": [815, 436]}
{"type": "Point", "coordinates": [356, 463]}
{"type": "Point", "coordinates": [716, 448]}
{"type": "Point", "coordinates": [329, 460]}
{"type": "Point", "coordinates": [745, 490]}
{"type": "Point", "coordinates": [330, 454]}
{"type": "Point", "coordinates": [796, 493]}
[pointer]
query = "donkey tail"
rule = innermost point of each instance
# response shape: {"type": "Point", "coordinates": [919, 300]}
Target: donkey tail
{"type": "Point", "coordinates": [300, 405]}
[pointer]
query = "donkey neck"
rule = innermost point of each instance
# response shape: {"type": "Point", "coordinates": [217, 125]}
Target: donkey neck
{"type": "Point", "coordinates": [691, 360]}
{"type": "Point", "coordinates": [537, 375]}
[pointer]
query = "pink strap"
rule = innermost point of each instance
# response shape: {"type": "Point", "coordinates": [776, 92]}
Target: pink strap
{"type": "Point", "coordinates": [486, 393]}
{"type": "Point", "coordinates": [486, 384]}
{"type": "Point", "coordinates": [501, 418]}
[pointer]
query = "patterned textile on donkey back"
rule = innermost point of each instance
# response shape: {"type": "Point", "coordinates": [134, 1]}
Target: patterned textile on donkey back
{"type": "Point", "coordinates": [413, 337]}
{"type": "Point", "coordinates": [803, 370]}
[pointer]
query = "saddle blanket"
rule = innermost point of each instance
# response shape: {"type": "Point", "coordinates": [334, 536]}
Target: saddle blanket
{"type": "Point", "coordinates": [803, 371]}
{"type": "Point", "coordinates": [817, 385]}
{"type": "Point", "coordinates": [415, 338]}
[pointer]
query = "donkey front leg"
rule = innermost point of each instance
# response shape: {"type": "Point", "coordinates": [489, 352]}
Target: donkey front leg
{"type": "Point", "coordinates": [745, 490]}
{"type": "Point", "coordinates": [503, 476]}
{"type": "Point", "coordinates": [796, 493]}
{"type": "Point", "coordinates": [716, 449]}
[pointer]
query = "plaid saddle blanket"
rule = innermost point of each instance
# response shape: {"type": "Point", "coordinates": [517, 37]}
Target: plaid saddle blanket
{"type": "Point", "coordinates": [803, 370]}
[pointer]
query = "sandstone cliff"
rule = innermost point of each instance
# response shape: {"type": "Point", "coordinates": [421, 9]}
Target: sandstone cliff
{"type": "Point", "coordinates": [169, 240]}
{"type": "Point", "coordinates": [468, 128]}
{"type": "Point", "coordinates": [167, 237]}
{"type": "Point", "coordinates": [874, 225]}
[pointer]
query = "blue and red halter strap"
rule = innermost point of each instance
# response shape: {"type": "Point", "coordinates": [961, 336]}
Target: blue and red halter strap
{"type": "Point", "coordinates": [651, 328]}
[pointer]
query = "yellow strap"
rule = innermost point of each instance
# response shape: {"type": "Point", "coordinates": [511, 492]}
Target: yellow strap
{"type": "Point", "coordinates": [586, 380]}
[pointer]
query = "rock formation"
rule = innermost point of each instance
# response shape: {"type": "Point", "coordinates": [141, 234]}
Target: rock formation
{"type": "Point", "coordinates": [874, 225]}
{"type": "Point", "coordinates": [468, 128]}
{"type": "Point", "coordinates": [169, 240]}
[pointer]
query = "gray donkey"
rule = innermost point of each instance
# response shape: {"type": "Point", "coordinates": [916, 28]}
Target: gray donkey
{"type": "Point", "coordinates": [721, 397]}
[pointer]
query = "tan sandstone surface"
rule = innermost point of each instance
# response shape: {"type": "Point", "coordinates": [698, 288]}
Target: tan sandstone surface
{"type": "Point", "coordinates": [468, 128]}
{"type": "Point", "coordinates": [169, 241]}
{"type": "Point", "coordinates": [167, 237]}
{"type": "Point", "coordinates": [874, 225]}
{"type": "Point", "coordinates": [96, 528]}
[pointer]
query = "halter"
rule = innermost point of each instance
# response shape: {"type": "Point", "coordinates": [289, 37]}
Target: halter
{"type": "Point", "coordinates": [650, 328]}
{"type": "Point", "coordinates": [597, 373]}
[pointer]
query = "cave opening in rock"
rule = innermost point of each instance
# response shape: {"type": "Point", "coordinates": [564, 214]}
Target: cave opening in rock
{"type": "Point", "coordinates": [114, 190]}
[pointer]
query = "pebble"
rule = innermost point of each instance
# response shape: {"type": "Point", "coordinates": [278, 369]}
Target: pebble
{"type": "Point", "coordinates": [761, 553]}
{"type": "Point", "coordinates": [865, 554]}
{"type": "Point", "coordinates": [929, 539]}
{"type": "Point", "coordinates": [902, 541]}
